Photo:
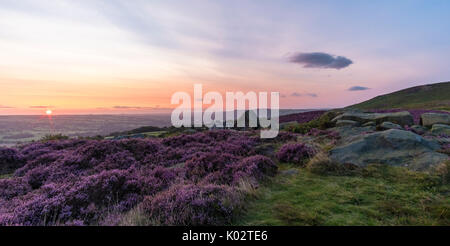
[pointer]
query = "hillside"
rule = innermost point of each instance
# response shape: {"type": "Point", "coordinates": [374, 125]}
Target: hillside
{"type": "Point", "coordinates": [432, 96]}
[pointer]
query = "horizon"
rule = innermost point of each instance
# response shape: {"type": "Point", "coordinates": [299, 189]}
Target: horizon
{"type": "Point", "coordinates": [119, 57]}
{"type": "Point", "coordinates": [162, 112]}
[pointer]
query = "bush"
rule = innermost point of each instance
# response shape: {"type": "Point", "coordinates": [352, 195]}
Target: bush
{"type": "Point", "coordinates": [10, 160]}
{"type": "Point", "coordinates": [323, 122]}
{"type": "Point", "coordinates": [203, 164]}
{"type": "Point", "coordinates": [193, 205]}
{"type": "Point", "coordinates": [47, 138]}
{"type": "Point", "coordinates": [322, 165]}
{"type": "Point", "coordinates": [254, 168]}
{"type": "Point", "coordinates": [296, 153]}
{"type": "Point", "coordinates": [443, 171]}
{"type": "Point", "coordinates": [87, 182]}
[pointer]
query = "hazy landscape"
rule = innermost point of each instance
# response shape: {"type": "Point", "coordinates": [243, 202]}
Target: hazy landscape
{"type": "Point", "coordinates": [22, 129]}
{"type": "Point", "coordinates": [16, 129]}
{"type": "Point", "coordinates": [326, 167]}
{"type": "Point", "coordinates": [110, 115]}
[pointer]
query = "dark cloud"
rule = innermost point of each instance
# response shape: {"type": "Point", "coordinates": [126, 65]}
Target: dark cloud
{"type": "Point", "coordinates": [320, 60]}
{"type": "Point", "coordinates": [127, 107]}
{"type": "Point", "coordinates": [311, 94]}
{"type": "Point", "coordinates": [358, 88]}
{"type": "Point", "coordinates": [296, 94]}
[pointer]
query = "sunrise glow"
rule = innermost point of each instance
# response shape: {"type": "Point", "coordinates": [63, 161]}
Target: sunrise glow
{"type": "Point", "coordinates": [89, 57]}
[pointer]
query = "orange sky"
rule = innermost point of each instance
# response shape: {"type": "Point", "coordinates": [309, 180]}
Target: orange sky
{"type": "Point", "coordinates": [84, 57]}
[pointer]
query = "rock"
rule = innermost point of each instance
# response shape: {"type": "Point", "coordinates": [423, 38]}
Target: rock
{"type": "Point", "coordinates": [392, 147]}
{"type": "Point", "coordinates": [341, 123]}
{"type": "Point", "coordinates": [401, 118]}
{"type": "Point", "coordinates": [440, 129]}
{"type": "Point", "coordinates": [429, 119]}
{"type": "Point", "coordinates": [190, 130]}
{"type": "Point", "coordinates": [289, 172]}
{"type": "Point", "coordinates": [389, 125]}
{"type": "Point", "coordinates": [348, 133]}
{"type": "Point", "coordinates": [419, 129]}
{"type": "Point", "coordinates": [370, 123]}
{"type": "Point", "coordinates": [265, 149]}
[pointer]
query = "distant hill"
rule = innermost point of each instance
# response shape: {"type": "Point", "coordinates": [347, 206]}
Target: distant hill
{"type": "Point", "coordinates": [432, 96]}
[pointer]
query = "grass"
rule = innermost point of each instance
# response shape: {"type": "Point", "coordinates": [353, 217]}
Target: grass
{"type": "Point", "coordinates": [377, 195]}
{"type": "Point", "coordinates": [6, 176]}
{"type": "Point", "coordinates": [433, 96]}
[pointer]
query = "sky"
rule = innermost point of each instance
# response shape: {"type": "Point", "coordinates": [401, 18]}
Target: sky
{"type": "Point", "coordinates": [111, 56]}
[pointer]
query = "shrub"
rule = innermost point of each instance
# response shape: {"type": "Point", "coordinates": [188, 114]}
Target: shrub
{"type": "Point", "coordinates": [203, 164]}
{"type": "Point", "coordinates": [10, 160]}
{"type": "Point", "coordinates": [10, 188]}
{"type": "Point", "coordinates": [323, 122]}
{"type": "Point", "coordinates": [296, 153]}
{"type": "Point", "coordinates": [254, 168]}
{"type": "Point", "coordinates": [89, 182]}
{"type": "Point", "coordinates": [193, 205]}
{"type": "Point", "coordinates": [301, 117]}
{"type": "Point", "coordinates": [443, 170]}
{"type": "Point", "coordinates": [322, 165]}
{"type": "Point", "coordinates": [47, 138]}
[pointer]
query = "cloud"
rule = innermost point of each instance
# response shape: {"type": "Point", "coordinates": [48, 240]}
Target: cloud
{"type": "Point", "coordinates": [358, 88]}
{"type": "Point", "coordinates": [296, 94]}
{"type": "Point", "coordinates": [3, 106]}
{"type": "Point", "coordinates": [157, 107]}
{"type": "Point", "coordinates": [320, 60]}
{"type": "Point", "coordinates": [127, 107]}
{"type": "Point", "coordinates": [41, 107]}
{"type": "Point", "coordinates": [311, 94]}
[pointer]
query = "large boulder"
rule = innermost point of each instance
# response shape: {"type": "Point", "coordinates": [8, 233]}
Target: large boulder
{"type": "Point", "coordinates": [429, 119]}
{"type": "Point", "coordinates": [389, 125]}
{"type": "Point", "coordinates": [401, 118]}
{"type": "Point", "coordinates": [370, 123]}
{"type": "Point", "coordinates": [440, 129]}
{"type": "Point", "coordinates": [392, 147]}
{"type": "Point", "coordinates": [418, 129]}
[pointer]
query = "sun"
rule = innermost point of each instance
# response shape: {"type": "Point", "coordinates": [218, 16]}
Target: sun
{"type": "Point", "coordinates": [48, 112]}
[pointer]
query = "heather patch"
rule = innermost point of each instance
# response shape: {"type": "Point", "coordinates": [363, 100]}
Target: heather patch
{"type": "Point", "coordinates": [192, 179]}
{"type": "Point", "coordinates": [296, 153]}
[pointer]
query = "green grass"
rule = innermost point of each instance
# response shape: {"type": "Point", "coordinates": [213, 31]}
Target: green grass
{"type": "Point", "coordinates": [375, 196]}
{"type": "Point", "coordinates": [433, 96]}
{"type": "Point", "coordinates": [154, 134]}
{"type": "Point", "coordinates": [6, 176]}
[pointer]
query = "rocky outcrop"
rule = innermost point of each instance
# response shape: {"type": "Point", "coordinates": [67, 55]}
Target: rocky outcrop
{"type": "Point", "coordinates": [341, 123]}
{"type": "Point", "coordinates": [391, 147]}
{"type": "Point", "coordinates": [419, 129]}
{"type": "Point", "coordinates": [401, 118]}
{"type": "Point", "coordinates": [429, 119]}
{"type": "Point", "coordinates": [389, 125]}
{"type": "Point", "coordinates": [440, 129]}
{"type": "Point", "coordinates": [370, 123]}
